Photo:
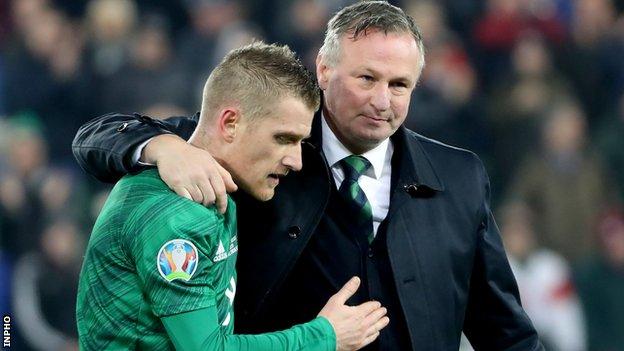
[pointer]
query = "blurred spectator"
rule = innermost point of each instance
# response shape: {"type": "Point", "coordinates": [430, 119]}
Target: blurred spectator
{"type": "Point", "coordinates": [2, 88]}
{"type": "Point", "coordinates": [150, 77]}
{"type": "Point", "coordinates": [592, 21]}
{"type": "Point", "coordinates": [45, 287]}
{"type": "Point", "coordinates": [45, 61]}
{"type": "Point", "coordinates": [4, 20]}
{"type": "Point", "coordinates": [32, 192]}
{"type": "Point", "coordinates": [610, 142]}
{"type": "Point", "coordinates": [302, 26]}
{"type": "Point", "coordinates": [584, 57]}
{"type": "Point", "coordinates": [234, 36]}
{"type": "Point", "coordinates": [110, 24]}
{"type": "Point", "coordinates": [503, 23]}
{"type": "Point", "coordinates": [462, 15]}
{"type": "Point", "coordinates": [26, 160]}
{"type": "Point", "coordinates": [446, 105]}
{"type": "Point", "coordinates": [197, 44]}
{"type": "Point", "coordinates": [545, 283]}
{"type": "Point", "coordinates": [564, 183]}
{"type": "Point", "coordinates": [601, 286]}
{"type": "Point", "coordinates": [520, 100]}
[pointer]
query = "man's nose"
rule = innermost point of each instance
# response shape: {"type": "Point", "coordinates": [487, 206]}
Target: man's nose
{"type": "Point", "coordinates": [381, 98]}
{"type": "Point", "coordinates": [293, 159]}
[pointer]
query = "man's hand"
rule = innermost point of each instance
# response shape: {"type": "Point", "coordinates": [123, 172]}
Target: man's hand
{"type": "Point", "coordinates": [355, 326]}
{"type": "Point", "coordinates": [189, 171]}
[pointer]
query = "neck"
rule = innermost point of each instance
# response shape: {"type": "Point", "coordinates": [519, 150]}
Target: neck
{"type": "Point", "coordinates": [202, 139]}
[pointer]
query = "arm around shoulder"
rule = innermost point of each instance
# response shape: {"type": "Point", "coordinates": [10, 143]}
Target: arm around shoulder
{"type": "Point", "coordinates": [103, 146]}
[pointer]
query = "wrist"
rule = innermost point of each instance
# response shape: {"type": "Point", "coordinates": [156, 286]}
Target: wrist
{"type": "Point", "coordinates": [157, 146]}
{"type": "Point", "coordinates": [328, 329]}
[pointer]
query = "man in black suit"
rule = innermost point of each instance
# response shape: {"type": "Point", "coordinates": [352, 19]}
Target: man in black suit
{"type": "Point", "coordinates": [407, 214]}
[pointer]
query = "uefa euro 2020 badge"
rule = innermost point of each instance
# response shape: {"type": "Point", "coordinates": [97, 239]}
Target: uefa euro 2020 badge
{"type": "Point", "coordinates": [177, 259]}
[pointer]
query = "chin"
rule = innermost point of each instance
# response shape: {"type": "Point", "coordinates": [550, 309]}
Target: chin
{"type": "Point", "coordinates": [264, 195]}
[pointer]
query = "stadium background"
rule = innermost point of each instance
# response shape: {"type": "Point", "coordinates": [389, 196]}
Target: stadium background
{"type": "Point", "coordinates": [535, 87]}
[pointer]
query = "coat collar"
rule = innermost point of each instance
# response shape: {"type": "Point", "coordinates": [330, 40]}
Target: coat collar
{"type": "Point", "coordinates": [410, 157]}
{"type": "Point", "coordinates": [413, 161]}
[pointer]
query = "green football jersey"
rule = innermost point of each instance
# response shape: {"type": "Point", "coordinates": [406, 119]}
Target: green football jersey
{"type": "Point", "coordinates": [153, 254]}
{"type": "Point", "coordinates": [155, 257]}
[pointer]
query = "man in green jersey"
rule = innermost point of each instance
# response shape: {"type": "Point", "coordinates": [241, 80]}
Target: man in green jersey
{"type": "Point", "coordinates": [159, 272]}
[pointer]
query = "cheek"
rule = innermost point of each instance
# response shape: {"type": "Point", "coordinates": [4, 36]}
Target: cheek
{"type": "Point", "coordinates": [400, 107]}
{"type": "Point", "coordinates": [347, 96]}
{"type": "Point", "coordinates": [356, 96]}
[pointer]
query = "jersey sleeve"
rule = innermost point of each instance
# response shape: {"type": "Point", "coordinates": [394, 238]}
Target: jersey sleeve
{"type": "Point", "coordinates": [199, 330]}
{"type": "Point", "coordinates": [170, 239]}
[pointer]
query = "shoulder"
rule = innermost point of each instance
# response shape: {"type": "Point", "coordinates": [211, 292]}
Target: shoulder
{"type": "Point", "coordinates": [439, 151]}
{"type": "Point", "coordinates": [149, 206]}
{"type": "Point", "coordinates": [449, 162]}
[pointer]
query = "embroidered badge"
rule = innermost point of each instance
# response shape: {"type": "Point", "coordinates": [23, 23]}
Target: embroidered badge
{"type": "Point", "coordinates": [177, 259]}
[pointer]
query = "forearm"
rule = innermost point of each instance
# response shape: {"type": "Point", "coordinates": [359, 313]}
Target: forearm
{"type": "Point", "coordinates": [200, 330]}
{"type": "Point", "coordinates": [104, 146]}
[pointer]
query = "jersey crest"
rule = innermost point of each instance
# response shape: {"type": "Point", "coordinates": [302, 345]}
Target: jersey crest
{"type": "Point", "coordinates": [177, 259]}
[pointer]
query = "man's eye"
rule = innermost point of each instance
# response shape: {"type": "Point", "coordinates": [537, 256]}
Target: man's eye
{"type": "Point", "coordinates": [284, 140]}
{"type": "Point", "coordinates": [366, 78]}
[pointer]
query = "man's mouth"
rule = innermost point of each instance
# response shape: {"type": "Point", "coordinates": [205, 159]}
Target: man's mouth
{"type": "Point", "coordinates": [376, 118]}
{"type": "Point", "coordinates": [277, 176]}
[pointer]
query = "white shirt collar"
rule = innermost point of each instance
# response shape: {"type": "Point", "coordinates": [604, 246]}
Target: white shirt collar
{"type": "Point", "coordinates": [335, 151]}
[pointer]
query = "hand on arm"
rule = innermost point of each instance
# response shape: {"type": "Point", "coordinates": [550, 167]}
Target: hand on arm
{"type": "Point", "coordinates": [189, 171]}
{"type": "Point", "coordinates": [355, 326]}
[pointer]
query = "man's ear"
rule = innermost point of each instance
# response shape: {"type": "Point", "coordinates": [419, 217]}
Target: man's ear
{"type": "Point", "coordinates": [229, 121]}
{"type": "Point", "coordinates": [322, 72]}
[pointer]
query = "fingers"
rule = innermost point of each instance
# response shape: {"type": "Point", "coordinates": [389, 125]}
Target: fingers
{"type": "Point", "coordinates": [208, 195]}
{"type": "Point", "coordinates": [347, 291]}
{"type": "Point", "coordinates": [368, 307]}
{"type": "Point", "coordinates": [192, 172]}
{"type": "Point", "coordinates": [382, 323]}
{"type": "Point", "coordinates": [377, 324]}
{"type": "Point", "coordinates": [368, 340]}
{"type": "Point", "coordinates": [373, 331]}
{"type": "Point", "coordinates": [220, 196]}
{"type": "Point", "coordinates": [375, 316]}
{"type": "Point", "coordinates": [183, 192]}
{"type": "Point", "coordinates": [230, 186]}
{"type": "Point", "coordinates": [192, 193]}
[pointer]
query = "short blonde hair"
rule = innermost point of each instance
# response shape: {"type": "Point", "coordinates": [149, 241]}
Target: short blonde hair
{"type": "Point", "coordinates": [256, 77]}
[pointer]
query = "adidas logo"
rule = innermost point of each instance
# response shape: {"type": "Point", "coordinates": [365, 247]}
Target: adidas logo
{"type": "Point", "coordinates": [221, 254]}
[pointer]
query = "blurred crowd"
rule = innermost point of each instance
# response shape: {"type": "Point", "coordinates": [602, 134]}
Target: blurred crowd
{"type": "Point", "coordinates": [534, 87]}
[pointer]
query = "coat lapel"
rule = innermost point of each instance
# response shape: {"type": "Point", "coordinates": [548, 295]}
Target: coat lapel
{"type": "Point", "coordinates": [414, 182]}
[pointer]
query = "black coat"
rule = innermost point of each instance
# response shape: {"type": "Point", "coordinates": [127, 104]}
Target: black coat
{"type": "Point", "coordinates": [450, 269]}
